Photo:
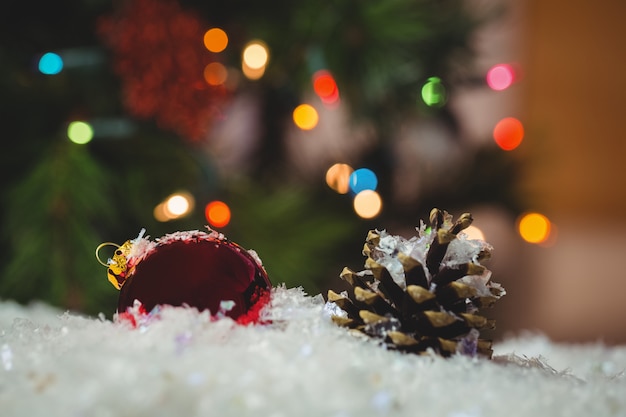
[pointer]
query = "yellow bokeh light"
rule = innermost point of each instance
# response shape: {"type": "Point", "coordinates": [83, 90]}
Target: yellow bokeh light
{"type": "Point", "coordinates": [215, 73]}
{"type": "Point", "coordinates": [255, 55]}
{"type": "Point", "coordinates": [160, 213]}
{"type": "Point", "coordinates": [305, 116]}
{"type": "Point", "coordinates": [338, 177]}
{"type": "Point", "coordinates": [250, 73]}
{"type": "Point", "coordinates": [174, 206]}
{"type": "Point", "coordinates": [177, 205]}
{"type": "Point", "coordinates": [368, 204]}
{"type": "Point", "coordinates": [534, 227]}
{"type": "Point", "coordinates": [80, 132]}
{"type": "Point", "coordinates": [215, 40]}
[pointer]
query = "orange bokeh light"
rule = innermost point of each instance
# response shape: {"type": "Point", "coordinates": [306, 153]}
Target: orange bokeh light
{"type": "Point", "coordinates": [217, 213]}
{"type": "Point", "coordinates": [215, 73]}
{"type": "Point", "coordinates": [215, 40]}
{"type": "Point", "coordinates": [534, 227]}
{"type": "Point", "coordinates": [338, 177]}
{"type": "Point", "coordinates": [508, 133]}
{"type": "Point", "coordinates": [305, 116]}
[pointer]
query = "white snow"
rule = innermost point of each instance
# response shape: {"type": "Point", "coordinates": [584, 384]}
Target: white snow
{"type": "Point", "coordinates": [185, 364]}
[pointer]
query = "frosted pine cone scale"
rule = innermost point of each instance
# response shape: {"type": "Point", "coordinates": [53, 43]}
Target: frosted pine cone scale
{"type": "Point", "coordinates": [423, 293]}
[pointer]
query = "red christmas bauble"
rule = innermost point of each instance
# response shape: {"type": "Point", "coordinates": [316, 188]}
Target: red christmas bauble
{"type": "Point", "coordinates": [195, 269]}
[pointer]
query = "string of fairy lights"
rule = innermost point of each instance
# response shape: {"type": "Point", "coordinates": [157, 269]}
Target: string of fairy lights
{"type": "Point", "coordinates": [360, 183]}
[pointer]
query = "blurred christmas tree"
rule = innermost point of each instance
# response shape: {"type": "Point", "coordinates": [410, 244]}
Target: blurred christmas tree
{"type": "Point", "coordinates": [169, 112]}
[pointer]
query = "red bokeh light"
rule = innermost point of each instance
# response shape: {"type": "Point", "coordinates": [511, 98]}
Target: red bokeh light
{"type": "Point", "coordinates": [508, 133]}
{"type": "Point", "coordinates": [325, 86]}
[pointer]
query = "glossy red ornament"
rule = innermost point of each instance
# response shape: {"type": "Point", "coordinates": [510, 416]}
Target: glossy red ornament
{"type": "Point", "coordinates": [196, 269]}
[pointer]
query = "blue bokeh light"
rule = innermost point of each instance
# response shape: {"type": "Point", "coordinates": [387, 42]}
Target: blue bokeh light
{"type": "Point", "coordinates": [50, 63]}
{"type": "Point", "coordinates": [363, 179]}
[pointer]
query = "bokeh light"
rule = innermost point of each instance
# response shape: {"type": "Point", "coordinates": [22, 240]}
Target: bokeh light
{"type": "Point", "coordinates": [215, 40]}
{"type": "Point", "coordinates": [254, 60]}
{"type": "Point", "coordinates": [474, 233]}
{"type": "Point", "coordinates": [534, 227]}
{"type": "Point", "coordinates": [176, 205]}
{"type": "Point", "coordinates": [367, 204]}
{"type": "Point", "coordinates": [363, 179]}
{"type": "Point", "coordinates": [325, 87]}
{"type": "Point", "coordinates": [217, 213]}
{"type": "Point", "coordinates": [215, 73]}
{"type": "Point", "coordinates": [250, 73]}
{"type": "Point", "coordinates": [305, 116]}
{"type": "Point", "coordinates": [508, 133]}
{"type": "Point", "coordinates": [80, 132]}
{"type": "Point", "coordinates": [160, 213]}
{"type": "Point", "coordinates": [338, 177]}
{"type": "Point", "coordinates": [434, 92]}
{"type": "Point", "coordinates": [500, 77]}
{"type": "Point", "coordinates": [255, 55]}
{"type": "Point", "coordinates": [50, 63]}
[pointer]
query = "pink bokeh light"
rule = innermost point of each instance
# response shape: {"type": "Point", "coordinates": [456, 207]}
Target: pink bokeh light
{"type": "Point", "coordinates": [500, 77]}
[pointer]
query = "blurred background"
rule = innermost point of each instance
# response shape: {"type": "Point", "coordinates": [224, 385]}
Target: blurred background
{"type": "Point", "coordinates": [296, 127]}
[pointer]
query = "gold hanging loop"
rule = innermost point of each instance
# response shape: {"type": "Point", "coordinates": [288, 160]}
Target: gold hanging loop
{"type": "Point", "coordinates": [102, 245]}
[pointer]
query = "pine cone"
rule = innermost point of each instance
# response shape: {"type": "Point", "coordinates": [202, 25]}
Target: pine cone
{"type": "Point", "coordinates": [422, 293]}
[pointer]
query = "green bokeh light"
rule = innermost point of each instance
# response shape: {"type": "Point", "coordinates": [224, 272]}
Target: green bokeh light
{"type": "Point", "coordinates": [80, 132]}
{"type": "Point", "coordinates": [434, 92]}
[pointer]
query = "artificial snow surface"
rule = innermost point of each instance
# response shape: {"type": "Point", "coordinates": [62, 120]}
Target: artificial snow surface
{"type": "Point", "coordinates": [185, 364]}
